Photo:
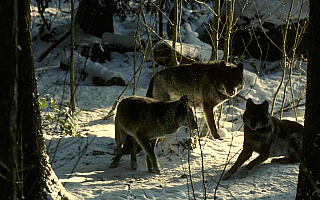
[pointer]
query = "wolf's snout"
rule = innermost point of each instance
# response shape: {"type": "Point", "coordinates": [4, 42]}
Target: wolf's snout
{"type": "Point", "coordinates": [253, 125]}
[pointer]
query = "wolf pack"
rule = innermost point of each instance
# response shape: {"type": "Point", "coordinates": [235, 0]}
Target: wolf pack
{"type": "Point", "coordinates": [141, 122]}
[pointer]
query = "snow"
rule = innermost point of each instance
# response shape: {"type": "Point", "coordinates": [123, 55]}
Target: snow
{"type": "Point", "coordinates": [275, 12]}
{"type": "Point", "coordinates": [82, 163]}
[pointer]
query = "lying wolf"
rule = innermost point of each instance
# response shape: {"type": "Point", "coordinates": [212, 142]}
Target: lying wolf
{"type": "Point", "coordinates": [268, 136]}
{"type": "Point", "coordinates": [146, 119]}
{"type": "Point", "coordinates": [206, 85]}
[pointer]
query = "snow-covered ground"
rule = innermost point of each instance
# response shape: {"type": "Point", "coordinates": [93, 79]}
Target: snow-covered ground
{"type": "Point", "coordinates": [82, 163]}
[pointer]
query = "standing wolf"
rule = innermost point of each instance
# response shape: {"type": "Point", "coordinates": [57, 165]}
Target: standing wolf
{"type": "Point", "coordinates": [147, 119]}
{"type": "Point", "coordinates": [207, 85]}
{"type": "Point", "coordinates": [268, 136]}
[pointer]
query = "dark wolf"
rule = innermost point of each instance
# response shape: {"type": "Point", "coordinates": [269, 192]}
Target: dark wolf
{"type": "Point", "coordinates": [268, 136]}
{"type": "Point", "coordinates": [145, 120]}
{"type": "Point", "coordinates": [206, 85]}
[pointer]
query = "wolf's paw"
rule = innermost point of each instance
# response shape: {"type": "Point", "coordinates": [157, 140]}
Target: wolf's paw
{"type": "Point", "coordinates": [114, 164]}
{"type": "Point", "coordinates": [203, 134]}
{"type": "Point", "coordinates": [217, 136]}
{"type": "Point", "coordinates": [156, 171]}
{"type": "Point", "coordinates": [227, 176]}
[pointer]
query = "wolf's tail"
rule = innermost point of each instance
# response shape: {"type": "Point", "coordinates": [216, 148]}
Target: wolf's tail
{"type": "Point", "coordinates": [150, 89]}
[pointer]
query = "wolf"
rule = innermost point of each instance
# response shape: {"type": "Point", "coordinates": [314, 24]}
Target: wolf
{"type": "Point", "coordinates": [268, 136]}
{"type": "Point", "coordinates": [206, 84]}
{"type": "Point", "coordinates": [145, 120]}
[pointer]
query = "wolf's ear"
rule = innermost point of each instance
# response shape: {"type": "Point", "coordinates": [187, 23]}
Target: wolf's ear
{"type": "Point", "coordinates": [240, 66]}
{"type": "Point", "coordinates": [265, 106]}
{"type": "Point", "coordinates": [184, 99]}
{"type": "Point", "coordinates": [223, 65]}
{"type": "Point", "coordinates": [249, 103]}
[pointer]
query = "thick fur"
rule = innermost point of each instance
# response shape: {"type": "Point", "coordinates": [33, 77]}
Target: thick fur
{"type": "Point", "coordinates": [206, 85]}
{"type": "Point", "coordinates": [268, 136]}
{"type": "Point", "coordinates": [145, 120]}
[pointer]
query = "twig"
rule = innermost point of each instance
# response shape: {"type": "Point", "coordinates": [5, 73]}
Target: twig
{"type": "Point", "coordinates": [149, 37]}
{"type": "Point", "coordinates": [110, 114]}
{"type": "Point", "coordinates": [41, 10]}
{"type": "Point", "coordinates": [284, 59]}
{"type": "Point", "coordinates": [53, 46]}
{"type": "Point", "coordinates": [135, 53]}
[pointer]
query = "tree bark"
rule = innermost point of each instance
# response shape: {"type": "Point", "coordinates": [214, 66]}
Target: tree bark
{"type": "Point", "coordinates": [175, 31]}
{"type": "Point", "coordinates": [309, 174]}
{"type": "Point", "coordinates": [72, 90]}
{"type": "Point", "coordinates": [25, 172]}
{"type": "Point", "coordinates": [161, 18]}
{"type": "Point", "coordinates": [215, 30]}
{"type": "Point", "coordinates": [36, 177]}
{"type": "Point", "coordinates": [8, 98]}
{"type": "Point", "coordinates": [29, 132]}
{"type": "Point", "coordinates": [227, 38]}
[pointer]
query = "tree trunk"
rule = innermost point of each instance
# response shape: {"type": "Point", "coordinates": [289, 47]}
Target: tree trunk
{"type": "Point", "coordinates": [8, 98]}
{"type": "Point", "coordinates": [175, 32]}
{"type": "Point", "coordinates": [96, 16]}
{"type": "Point", "coordinates": [309, 174]}
{"type": "Point", "coordinates": [29, 123]}
{"type": "Point", "coordinates": [161, 18]}
{"type": "Point", "coordinates": [37, 179]}
{"type": "Point", "coordinates": [215, 31]}
{"type": "Point", "coordinates": [72, 90]}
{"type": "Point", "coordinates": [228, 31]}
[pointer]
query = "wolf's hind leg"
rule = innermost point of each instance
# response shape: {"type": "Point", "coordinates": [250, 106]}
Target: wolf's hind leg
{"type": "Point", "coordinates": [295, 147]}
{"type": "Point", "coordinates": [133, 154]}
{"type": "Point", "coordinates": [284, 160]}
{"type": "Point", "coordinates": [144, 143]}
{"type": "Point", "coordinates": [120, 139]}
{"type": "Point", "coordinates": [294, 150]}
{"type": "Point", "coordinates": [208, 113]}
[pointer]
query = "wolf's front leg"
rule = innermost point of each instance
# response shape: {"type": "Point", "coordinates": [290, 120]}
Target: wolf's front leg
{"type": "Point", "coordinates": [208, 113]}
{"type": "Point", "coordinates": [258, 160]}
{"type": "Point", "coordinates": [144, 143]}
{"type": "Point", "coordinates": [244, 156]}
{"type": "Point", "coordinates": [149, 162]}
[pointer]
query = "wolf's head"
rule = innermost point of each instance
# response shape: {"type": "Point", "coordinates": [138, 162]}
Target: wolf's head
{"type": "Point", "coordinates": [185, 113]}
{"type": "Point", "coordinates": [230, 81]}
{"type": "Point", "coordinates": [256, 116]}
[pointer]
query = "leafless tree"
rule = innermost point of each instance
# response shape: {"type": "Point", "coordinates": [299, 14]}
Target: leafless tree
{"type": "Point", "coordinates": [8, 97]}
{"type": "Point", "coordinates": [309, 174]}
{"type": "Point", "coordinates": [25, 169]}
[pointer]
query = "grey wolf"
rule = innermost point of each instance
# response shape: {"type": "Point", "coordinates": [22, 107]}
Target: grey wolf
{"type": "Point", "coordinates": [268, 136]}
{"type": "Point", "coordinates": [145, 120]}
{"type": "Point", "coordinates": [206, 84]}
